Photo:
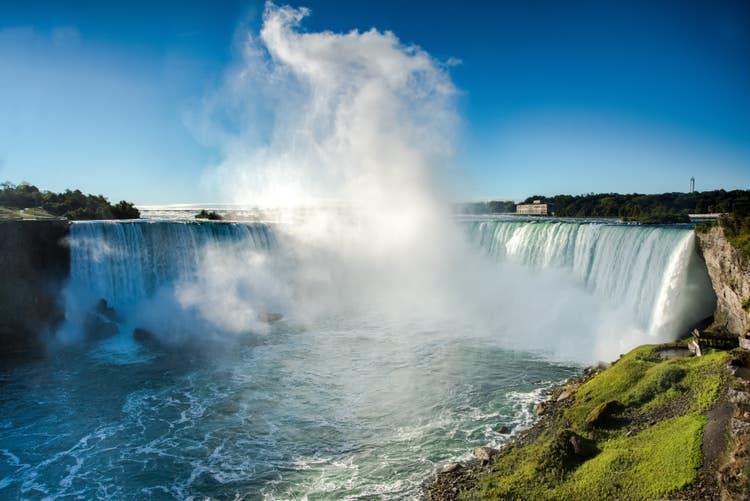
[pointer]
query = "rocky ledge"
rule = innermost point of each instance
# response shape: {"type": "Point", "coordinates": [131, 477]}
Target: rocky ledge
{"type": "Point", "coordinates": [730, 277]}
{"type": "Point", "coordinates": [34, 265]}
{"type": "Point", "coordinates": [659, 423]}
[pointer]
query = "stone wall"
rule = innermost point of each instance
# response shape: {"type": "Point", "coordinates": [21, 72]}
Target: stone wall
{"type": "Point", "coordinates": [731, 281]}
{"type": "Point", "coordinates": [34, 266]}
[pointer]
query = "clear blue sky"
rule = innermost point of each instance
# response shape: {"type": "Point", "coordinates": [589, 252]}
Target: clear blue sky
{"type": "Point", "coordinates": [557, 97]}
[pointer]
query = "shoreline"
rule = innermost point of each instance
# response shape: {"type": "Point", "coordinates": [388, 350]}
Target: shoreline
{"type": "Point", "coordinates": [722, 462]}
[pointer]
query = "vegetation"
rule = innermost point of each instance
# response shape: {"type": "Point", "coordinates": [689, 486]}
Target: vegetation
{"type": "Point", "coordinates": [211, 215]}
{"type": "Point", "coordinates": [492, 207]}
{"type": "Point", "coordinates": [643, 422]}
{"type": "Point", "coordinates": [26, 201]}
{"type": "Point", "coordinates": [668, 218]}
{"type": "Point", "coordinates": [33, 213]}
{"type": "Point", "coordinates": [736, 225]}
{"type": "Point", "coordinates": [644, 207]}
{"type": "Point", "coordinates": [666, 208]}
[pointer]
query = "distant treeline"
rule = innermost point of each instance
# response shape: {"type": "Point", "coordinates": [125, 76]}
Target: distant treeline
{"type": "Point", "coordinates": [492, 207]}
{"type": "Point", "coordinates": [69, 204]}
{"type": "Point", "coordinates": [663, 208]}
{"type": "Point", "coordinates": [666, 207]}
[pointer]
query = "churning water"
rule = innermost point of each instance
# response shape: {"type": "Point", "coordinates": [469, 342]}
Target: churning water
{"type": "Point", "coordinates": [341, 406]}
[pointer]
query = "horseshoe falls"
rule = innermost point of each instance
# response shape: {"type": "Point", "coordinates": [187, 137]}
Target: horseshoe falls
{"type": "Point", "coordinates": [337, 405]}
{"type": "Point", "coordinates": [653, 272]}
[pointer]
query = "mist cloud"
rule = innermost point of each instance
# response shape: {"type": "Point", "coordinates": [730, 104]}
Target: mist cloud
{"type": "Point", "coordinates": [361, 128]}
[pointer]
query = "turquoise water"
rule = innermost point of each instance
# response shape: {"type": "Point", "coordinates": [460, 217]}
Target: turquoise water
{"type": "Point", "coordinates": [331, 412]}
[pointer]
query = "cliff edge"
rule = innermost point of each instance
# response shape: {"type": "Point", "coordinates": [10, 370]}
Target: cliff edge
{"type": "Point", "coordinates": [730, 277]}
{"type": "Point", "coordinates": [34, 265]}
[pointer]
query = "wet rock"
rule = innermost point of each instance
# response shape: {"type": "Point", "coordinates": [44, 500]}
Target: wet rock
{"type": "Point", "coordinates": [567, 392]}
{"type": "Point", "coordinates": [106, 311]}
{"type": "Point", "coordinates": [539, 408]}
{"type": "Point", "coordinates": [484, 454]}
{"type": "Point", "coordinates": [503, 430]}
{"type": "Point", "coordinates": [97, 328]}
{"type": "Point", "coordinates": [450, 467]}
{"type": "Point", "coordinates": [145, 337]}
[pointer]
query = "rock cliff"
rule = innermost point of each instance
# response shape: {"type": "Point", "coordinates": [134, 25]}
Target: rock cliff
{"type": "Point", "coordinates": [34, 265]}
{"type": "Point", "coordinates": [730, 277]}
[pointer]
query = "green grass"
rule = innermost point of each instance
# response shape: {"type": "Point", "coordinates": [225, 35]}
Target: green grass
{"type": "Point", "coordinates": [660, 401]}
{"type": "Point", "coordinates": [649, 465]}
{"type": "Point", "coordinates": [33, 213]}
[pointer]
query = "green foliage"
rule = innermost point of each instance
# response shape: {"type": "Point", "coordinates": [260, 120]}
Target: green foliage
{"type": "Point", "coordinates": [746, 304]}
{"type": "Point", "coordinates": [737, 230]}
{"type": "Point", "coordinates": [648, 465]}
{"type": "Point", "coordinates": [210, 215]}
{"type": "Point", "coordinates": [659, 218]}
{"type": "Point", "coordinates": [69, 204]}
{"type": "Point", "coordinates": [657, 460]}
{"type": "Point", "coordinates": [125, 210]}
{"type": "Point", "coordinates": [492, 207]}
{"type": "Point", "coordinates": [663, 208]}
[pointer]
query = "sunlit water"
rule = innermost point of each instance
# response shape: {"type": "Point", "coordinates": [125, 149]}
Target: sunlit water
{"type": "Point", "coordinates": [335, 411]}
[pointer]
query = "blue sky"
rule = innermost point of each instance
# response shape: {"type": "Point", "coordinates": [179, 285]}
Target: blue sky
{"type": "Point", "coordinates": [556, 97]}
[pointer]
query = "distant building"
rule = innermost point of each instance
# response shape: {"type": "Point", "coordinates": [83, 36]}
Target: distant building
{"type": "Point", "coordinates": [536, 208]}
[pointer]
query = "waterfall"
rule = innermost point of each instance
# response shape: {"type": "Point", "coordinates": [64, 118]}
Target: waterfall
{"type": "Point", "coordinates": [124, 262]}
{"type": "Point", "coordinates": [654, 272]}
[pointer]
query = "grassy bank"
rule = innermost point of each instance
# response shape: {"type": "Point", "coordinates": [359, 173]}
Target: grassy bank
{"type": "Point", "coordinates": [34, 213]}
{"type": "Point", "coordinates": [632, 431]}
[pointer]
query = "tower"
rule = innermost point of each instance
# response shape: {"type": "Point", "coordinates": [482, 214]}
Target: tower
{"type": "Point", "coordinates": [692, 185]}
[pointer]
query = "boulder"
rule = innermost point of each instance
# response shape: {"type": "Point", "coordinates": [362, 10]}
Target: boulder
{"type": "Point", "coordinates": [539, 408]}
{"type": "Point", "coordinates": [105, 310]}
{"type": "Point", "coordinates": [582, 446]}
{"type": "Point", "coordinates": [97, 328]}
{"type": "Point", "coordinates": [450, 467]}
{"type": "Point", "coordinates": [597, 367]}
{"type": "Point", "coordinates": [602, 415]}
{"type": "Point", "coordinates": [569, 450]}
{"type": "Point", "coordinates": [503, 430]}
{"type": "Point", "coordinates": [145, 337]}
{"type": "Point", "coordinates": [567, 392]}
{"type": "Point", "coordinates": [484, 454]}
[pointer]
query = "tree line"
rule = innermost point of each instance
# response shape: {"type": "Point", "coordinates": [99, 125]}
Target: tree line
{"type": "Point", "coordinates": [644, 208]}
{"type": "Point", "coordinates": [71, 204]}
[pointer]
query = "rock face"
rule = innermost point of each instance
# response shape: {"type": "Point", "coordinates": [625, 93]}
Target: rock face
{"type": "Point", "coordinates": [34, 265]}
{"type": "Point", "coordinates": [730, 278]}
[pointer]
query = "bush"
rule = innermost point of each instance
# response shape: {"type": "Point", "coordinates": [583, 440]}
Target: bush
{"type": "Point", "coordinates": [210, 215]}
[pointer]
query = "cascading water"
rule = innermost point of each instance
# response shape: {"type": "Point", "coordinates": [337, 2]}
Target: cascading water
{"type": "Point", "coordinates": [653, 272]}
{"type": "Point", "coordinates": [126, 262]}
